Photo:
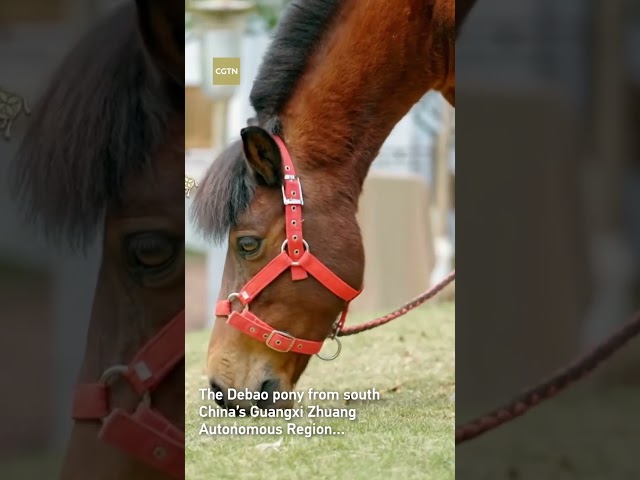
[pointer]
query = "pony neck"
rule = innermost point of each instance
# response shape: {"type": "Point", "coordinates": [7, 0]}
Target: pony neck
{"type": "Point", "coordinates": [373, 65]}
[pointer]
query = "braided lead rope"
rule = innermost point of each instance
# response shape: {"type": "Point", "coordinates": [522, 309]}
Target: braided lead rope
{"type": "Point", "coordinates": [549, 388]}
{"type": "Point", "coordinates": [415, 303]}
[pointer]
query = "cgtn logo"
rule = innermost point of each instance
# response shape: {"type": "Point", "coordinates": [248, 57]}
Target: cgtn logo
{"type": "Point", "coordinates": [226, 71]}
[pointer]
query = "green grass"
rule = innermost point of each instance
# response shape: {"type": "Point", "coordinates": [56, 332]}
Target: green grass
{"type": "Point", "coordinates": [33, 465]}
{"type": "Point", "coordinates": [194, 255]}
{"type": "Point", "coordinates": [12, 272]}
{"type": "Point", "coordinates": [407, 434]}
{"type": "Point", "coordinates": [586, 433]}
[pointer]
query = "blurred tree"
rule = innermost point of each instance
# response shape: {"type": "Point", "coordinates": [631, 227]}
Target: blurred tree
{"type": "Point", "coordinates": [264, 18]}
{"type": "Point", "coordinates": [269, 12]}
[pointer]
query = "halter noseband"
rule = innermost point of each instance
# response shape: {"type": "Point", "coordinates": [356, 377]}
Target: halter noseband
{"type": "Point", "coordinates": [145, 433]}
{"type": "Point", "coordinates": [296, 255]}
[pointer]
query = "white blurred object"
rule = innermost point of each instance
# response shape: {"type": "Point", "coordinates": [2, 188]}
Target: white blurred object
{"type": "Point", "coordinates": [269, 446]}
{"type": "Point", "coordinates": [444, 258]}
{"type": "Point", "coordinates": [614, 267]}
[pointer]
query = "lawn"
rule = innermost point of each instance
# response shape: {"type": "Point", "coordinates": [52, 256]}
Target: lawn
{"type": "Point", "coordinates": [586, 433]}
{"type": "Point", "coordinates": [30, 465]}
{"type": "Point", "coordinates": [407, 434]}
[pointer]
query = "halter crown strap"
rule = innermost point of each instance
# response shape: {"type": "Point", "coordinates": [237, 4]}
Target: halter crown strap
{"type": "Point", "coordinates": [293, 201]}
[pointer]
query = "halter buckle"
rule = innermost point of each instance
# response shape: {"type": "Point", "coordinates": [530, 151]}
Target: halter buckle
{"type": "Point", "coordinates": [292, 201]}
{"type": "Point", "coordinates": [291, 338]}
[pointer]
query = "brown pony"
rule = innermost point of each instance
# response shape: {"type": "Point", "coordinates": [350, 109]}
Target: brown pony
{"type": "Point", "coordinates": [336, 79]}
{"type": "Point", "coordinates": [103, 157]}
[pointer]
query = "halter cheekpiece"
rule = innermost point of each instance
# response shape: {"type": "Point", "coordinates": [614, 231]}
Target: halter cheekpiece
{"type": "Point", "coordinates": [296, 255]}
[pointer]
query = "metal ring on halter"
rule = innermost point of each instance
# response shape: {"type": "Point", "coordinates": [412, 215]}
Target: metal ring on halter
{"type": "Point", "coordinates": [284, 245]}
{"type": "Point", "coordinates": [236, 296]}
{"type": "Point", "coordinates": [335, 329]}
{"type": "Point", "coordinates": [112, 373]}
{"type": "Point", "coordinates": [335, 355]}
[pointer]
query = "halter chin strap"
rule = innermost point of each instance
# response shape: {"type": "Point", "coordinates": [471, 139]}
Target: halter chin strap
{"type": "Point", "coordinates": [295, 255]}
{"type": "Point", "coordinates": [144, 433]}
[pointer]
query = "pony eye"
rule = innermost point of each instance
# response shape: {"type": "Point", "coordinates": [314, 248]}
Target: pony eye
{"type": "Point", "coordinates": [248, 245]}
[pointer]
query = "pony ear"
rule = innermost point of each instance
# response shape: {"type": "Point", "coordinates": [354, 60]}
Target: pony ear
{"type": "Point", "coordinates": [263, 156]}
{"type": "Point", "coordinates": [162, 29]}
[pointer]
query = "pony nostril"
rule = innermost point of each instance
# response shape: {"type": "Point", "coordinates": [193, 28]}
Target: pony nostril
{"type": "Point", "coordinates": [215, 388]}
{"type": "Point", "coordinates": [268, 386]}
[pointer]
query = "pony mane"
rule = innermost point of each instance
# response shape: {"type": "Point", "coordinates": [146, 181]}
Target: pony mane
{"type": "Point", "coordinates": [225, 193]}
{"type": "Point", "coordinates": [301, 28]}
{"type": "Point", "coordinates": [100, 119]}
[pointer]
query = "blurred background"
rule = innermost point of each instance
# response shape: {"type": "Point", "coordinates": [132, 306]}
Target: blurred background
{"type": "Point", "coordinates": [45, 295]}
{"type": "Point", "coordinates": [414, 171]}
{"type": "Point", "coordinates": [548, 207]}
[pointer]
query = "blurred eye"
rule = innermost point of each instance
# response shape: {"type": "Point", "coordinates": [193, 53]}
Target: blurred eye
{"type": "Point", "coordinates": [151, 256]}
{"type": "Point", "coordinates": [151, 250]}
{"type": "Point", "coordinates": [248, 246]}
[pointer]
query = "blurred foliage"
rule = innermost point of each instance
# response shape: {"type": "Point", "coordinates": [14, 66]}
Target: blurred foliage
{"type": "Point", "coordinates": [270, 10]}
{"type": "Point", "coordinates": [267, 14]}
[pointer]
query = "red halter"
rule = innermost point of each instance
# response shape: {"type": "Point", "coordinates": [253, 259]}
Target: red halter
{"type": "Point", "coordinates": [144, 433]}
{"type": "Point", "coordinates": [294, 254]}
